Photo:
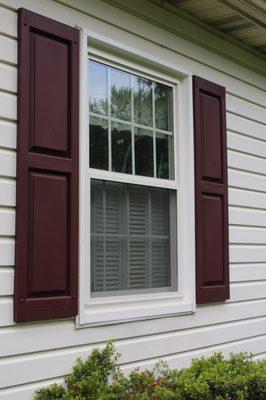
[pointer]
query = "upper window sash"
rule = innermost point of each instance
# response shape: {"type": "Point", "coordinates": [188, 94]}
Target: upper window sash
{"type": "Point", "coordinates": [134, 178]}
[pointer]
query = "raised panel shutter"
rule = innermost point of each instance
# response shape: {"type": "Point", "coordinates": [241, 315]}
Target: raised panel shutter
{"type": "Point", "coordinates": [211, 197]}
{"type": "Point", "coordinates": [46, 272]}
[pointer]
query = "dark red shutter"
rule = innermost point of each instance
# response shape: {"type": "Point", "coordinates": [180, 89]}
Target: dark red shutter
{"type": "Point", "coordinates": [46, 272]}
{"type": "Point", "coordinates": [211, 198]}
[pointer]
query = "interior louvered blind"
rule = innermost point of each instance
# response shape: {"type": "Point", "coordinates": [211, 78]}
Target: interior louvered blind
{"type": "Point", "coordinates": [130, 237]}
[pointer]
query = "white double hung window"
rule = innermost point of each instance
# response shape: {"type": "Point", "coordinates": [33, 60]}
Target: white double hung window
{"type": "Point", "coordinates": [131, 132]}
{"type": "Point", "coordinates": [136, 185]}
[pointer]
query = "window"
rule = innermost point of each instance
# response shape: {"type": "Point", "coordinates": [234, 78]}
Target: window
{"type": "Point", "coordinates": [136, 185]}
{"type": "Point", "coordinates": [131, 132]}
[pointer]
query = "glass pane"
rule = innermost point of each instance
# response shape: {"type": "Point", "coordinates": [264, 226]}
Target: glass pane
{"type": "Point", "coordinates": [143, 152]}
{"type": "Point", "coordinates": [138, 210]}
{"type": "Point", "coordinates": [160, 212]}
{"type": "Point", "coordinates": [114, 206]}
{"type": "Point", "coordinates": [120, 94]}
{"type": "Point", "coordinates": [138, 274]}
{"type": "Point", "coordinates": [114, 250]}
{"type": "Point", "coordinates": [160, 263]}
{"type": "Point", "coordinates": [121, 148]}
{"type": "Point", "coordinates": [98, 143]}
{"type": "Point", "coordinates": [97, 264]}
{"type": "Point", "coordinates": [164, 159]}
{"type": "Point", "coordinates": [163, 107]}
{"type": "Point", "coordinates": [97, 211]}
{"type": "Point", "coordinates": [130, 236]}
{"type": "Point", "coordinates": [142, 101]}
{"type": "Point", "coordinates": [98, 87]}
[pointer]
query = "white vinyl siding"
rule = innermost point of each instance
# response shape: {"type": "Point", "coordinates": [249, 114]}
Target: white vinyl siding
{"type": "Point", "coordinates": [37, 354]}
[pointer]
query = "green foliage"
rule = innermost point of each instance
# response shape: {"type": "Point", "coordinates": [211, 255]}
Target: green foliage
{"type": "Point", "coordinates": [215, 378]}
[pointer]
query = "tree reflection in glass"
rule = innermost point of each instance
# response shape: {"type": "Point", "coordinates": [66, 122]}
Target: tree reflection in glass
{"type": "Point", "coordinates": [120, 94]}
{"type": "Point", "coordinates": [144, 152]}
{"type": "Point", "coordinates": [142, 101]}
{"type": "Point", "coordinates": [98, 88]}
{"type": "Point", "coordinates": [98, 143]}
{"type": "Point", "coordinates": [163, 107]}
{"type": "Point", "coordinates": [121, 148]}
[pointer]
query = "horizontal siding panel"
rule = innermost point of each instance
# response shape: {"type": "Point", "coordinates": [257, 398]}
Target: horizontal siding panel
{"type": "Point", "coordinates": [247, 253]}
{"type": "Point", "coordinates": [8, 48]}
{"type": "Point", "coordinates": [7, 192]}
{"type": "Point", "coordinates": [245, 126]}
{"type": "Point", "coordinates": [6, 311]}
{"type": "Point", "coordinates": [8, 134]}
{"type": "Point", "coordinates": [243, 216]}
{"type": "Point", "coordinates": [246, 144]}
{"type": "Point", "coordinates": [246, 162]}
{"type": "Point", "coordinates": [8, 106]}
{"type": "Point", "coordinates": [8, 22]}
{"type": "Point", "coordinates": [39, 337]}
{"type": "Point", "coordinates": [244, 198]}
{"type": "Point", "coordinates": [245, 108]}
{"type": "Point", "coordinates": [248, 291]}
{"type": "Point", "coordinates": [247, 235]}
{"type": "Point", "coordinates": [7, 163]}
{"type": "Point", "coordinates": [7, 250]}
{"type": "Point", "coordinates": [7, 222]}
{"type": "Point", "coordinates": [247, 180]}
{"type": "Point", "coordinates": [6, 281]}
{"type": "Point", "coordinates": [47, 365]}
{"type": "Point", "coordinates": [247, 272]}
{"type": "Point", "coordinates": [261, 356]}
{"type": "Point", "coordinates": [181, 360]}
{"type": "Point", "coordinates": [26, 392]}
{"type": "Point", "coordinates": [8, 77]}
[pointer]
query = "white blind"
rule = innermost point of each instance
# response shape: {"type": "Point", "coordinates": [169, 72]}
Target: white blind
{"type": "Point", "coordinates": [130, 237]}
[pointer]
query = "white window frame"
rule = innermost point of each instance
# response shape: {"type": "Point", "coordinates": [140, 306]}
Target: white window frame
{"type": "Point", "coordinates": [115, 309]}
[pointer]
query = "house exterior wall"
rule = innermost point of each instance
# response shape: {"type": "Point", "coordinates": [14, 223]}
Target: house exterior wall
{"type": "Point", "coordinates": [32, 355]}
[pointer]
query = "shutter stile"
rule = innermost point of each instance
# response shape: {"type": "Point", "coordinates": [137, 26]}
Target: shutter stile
{"type": "Point", "coordinates": [211, 192]}
{"type": "Point", "coordinates": [46, 270]}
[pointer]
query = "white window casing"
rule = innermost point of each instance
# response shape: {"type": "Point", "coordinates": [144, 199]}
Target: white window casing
{"type": "Point", "coordinates": [116, 308]}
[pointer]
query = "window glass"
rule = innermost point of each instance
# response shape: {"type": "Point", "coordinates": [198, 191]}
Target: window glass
{"type": "Point", "coordinates": [130, 236]}
{"type": "Point", "coordinates": [121, 148]}
{"type": "Point", "coordinates": [164, 155]}
{"type": "Point", "coordinates": [142, 101]}
{"type": "Point", "coordinates": [120, 88]}
{"type": "Point", "coordinates": [98, 88]}
{"type": "Point", "coordinates": [98, 143]}
{"type": "Point", "coordinates": [163, 107]}
{"type": "Point", "coordinates": [131, 127]}
{"type": "Point", "coordinates": [144, 152]}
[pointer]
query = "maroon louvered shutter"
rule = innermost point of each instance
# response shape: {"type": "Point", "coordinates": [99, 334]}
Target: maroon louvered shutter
{"type": "Point", "coordinates": [211, 198]}
{"type": "Point", "coordinates": [46, 270]}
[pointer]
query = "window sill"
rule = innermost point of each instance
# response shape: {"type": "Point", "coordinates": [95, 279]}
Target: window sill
{"type": "Point", "coordinates": [106, 311]}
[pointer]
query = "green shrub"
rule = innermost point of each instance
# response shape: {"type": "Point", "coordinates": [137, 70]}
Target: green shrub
{"type": "Point", "coordinates": [214, 378]}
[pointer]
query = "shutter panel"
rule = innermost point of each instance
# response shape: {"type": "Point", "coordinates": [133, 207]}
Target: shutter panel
{"type": "Point", "coordinates": [212, 264]}
{"type": "Point", "coordinates": [47, 169]}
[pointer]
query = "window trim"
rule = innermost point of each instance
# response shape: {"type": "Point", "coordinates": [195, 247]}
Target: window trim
{"type": "Point", "coordinates": [110, 310]}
